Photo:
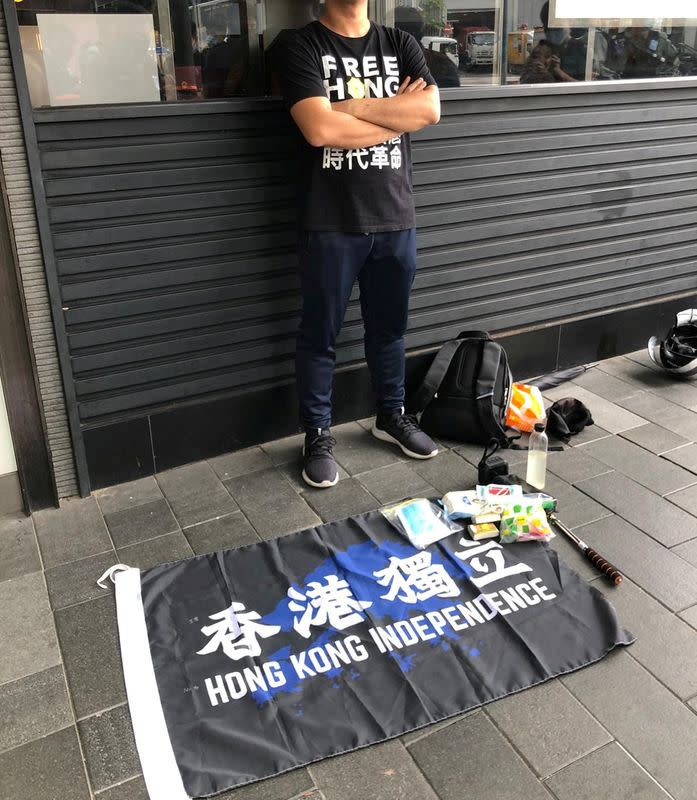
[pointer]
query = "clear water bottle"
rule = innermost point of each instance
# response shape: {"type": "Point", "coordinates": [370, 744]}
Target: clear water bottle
{"type": "Point", "coordinates": [537, 457]}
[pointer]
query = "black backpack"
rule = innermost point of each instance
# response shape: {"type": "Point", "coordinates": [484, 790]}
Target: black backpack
{"type": "Point", "coordinates": [465, 394]}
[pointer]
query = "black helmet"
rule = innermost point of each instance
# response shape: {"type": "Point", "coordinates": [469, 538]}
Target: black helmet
{"type": "Point", "coordinates": [678, 353]}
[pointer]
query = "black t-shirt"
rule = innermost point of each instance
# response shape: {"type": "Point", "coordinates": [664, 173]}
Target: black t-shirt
{"type": "Point", "coordinates": [365, 189]}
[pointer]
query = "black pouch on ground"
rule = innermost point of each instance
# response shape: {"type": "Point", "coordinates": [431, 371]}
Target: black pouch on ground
{"type": "Point", "coordinates": [465, 394]}
{"type": "Point", "coordinates": [567, 417]}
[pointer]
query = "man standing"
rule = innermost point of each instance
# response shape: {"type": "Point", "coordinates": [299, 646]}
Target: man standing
{"type": "Point", "coordinates": [356, 90]}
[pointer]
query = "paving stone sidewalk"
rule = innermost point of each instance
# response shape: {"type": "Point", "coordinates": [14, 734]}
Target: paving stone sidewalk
{"type": "Point", "coordinates": [623, 728]}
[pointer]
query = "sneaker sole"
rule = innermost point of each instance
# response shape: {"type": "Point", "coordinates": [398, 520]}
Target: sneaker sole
{"type": "Point", "coordinates": [323, 485]}
{"type": "Point", "coordinates": [385, 437]}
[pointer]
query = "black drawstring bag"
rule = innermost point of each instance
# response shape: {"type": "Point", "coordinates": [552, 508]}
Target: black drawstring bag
{"type": "Point", "coordinates": [567, 417]}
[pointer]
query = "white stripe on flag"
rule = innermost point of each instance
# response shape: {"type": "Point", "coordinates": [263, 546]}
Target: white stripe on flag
{"type": "Point", "coordinates": [160, 770]}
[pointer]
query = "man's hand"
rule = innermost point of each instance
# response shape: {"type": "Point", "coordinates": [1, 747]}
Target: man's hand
{"type": "Point", "coordinates": [325, 126]}
{"type": "Point", "coordinates": [407, 86]}
{"type": "Point", "coordinates": [349, 106]}
{"type": "Point", "coordinates": [413, 107]}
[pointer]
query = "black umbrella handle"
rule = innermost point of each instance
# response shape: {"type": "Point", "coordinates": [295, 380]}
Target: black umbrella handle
{"type": "Point", "coordinates": [603, 565]}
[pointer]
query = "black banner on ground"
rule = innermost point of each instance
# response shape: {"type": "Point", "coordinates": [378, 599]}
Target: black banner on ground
{"type": "Point", "coordinates": [245, 663]}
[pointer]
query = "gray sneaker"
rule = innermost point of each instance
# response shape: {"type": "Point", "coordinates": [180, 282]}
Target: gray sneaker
{"type": "Point", "coordinates": [403, 430]}
{"type": "Point", "coordinates": [319, 467]}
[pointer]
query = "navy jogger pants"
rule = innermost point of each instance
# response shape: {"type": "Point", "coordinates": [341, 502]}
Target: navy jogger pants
{"type": "Point", "coordinates": [330, 263]}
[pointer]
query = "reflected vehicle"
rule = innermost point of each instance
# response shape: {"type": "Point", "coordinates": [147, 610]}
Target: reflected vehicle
{"type": "Point", "coordinates": [441, 44]}
{"type": "Point", "coordinates": [479, 49]}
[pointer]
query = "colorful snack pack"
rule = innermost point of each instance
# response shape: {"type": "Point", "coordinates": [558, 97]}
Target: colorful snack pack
{"type": "Point", "coordinates": [484, 530]}
{"type": "Point", "coordinates": [523, 523]}
{"type": "Point", "coordinates": [540, 498]}
{"type": "Point", "coordinates": [499, 493]}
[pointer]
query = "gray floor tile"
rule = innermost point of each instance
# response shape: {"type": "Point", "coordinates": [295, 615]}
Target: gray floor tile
{"type": "Point", "coordinates": [75, 530]}
{"type": "Point", "coordinates": [384, 772]}
{"type": "Point", "coordinates": [665, 645]}
{"type": "Point", "coordinates": [654, 438]}
{"type": "Point", "coordinates": [624, 697]}
{"type": "Point", "coordinates": [572, 557]}
{"type": "Point", "coordinates": [647, 511]}
{"type": "Point", "coordinates": [270, 503]}
{"type": "Point", "coordinates": [661, 412]}
{"type": "Point", "coordinates": [345, 499]}
{"type": "Point", "coordinates": [366, 423]}
{"type": "Point", "coordinates": [447, 472]}
{"type": "Point", "coordinates": [644, 373]}
{"type": "Point", "coordinates": [605, 385]}
{"type": "Point", "coordinates": [133, 789]}
{"type": "Point", "coordinates": [685, 457]}
{"type": "Point", "coordinates": [76, 581]}
{"type": "Point", "coordinates": [223, 533]}
{"type": "Point", "coordinates": [682, 393]}
{"type": "Point", "coordinates": [627, 370]}
{"type": "Point", "coordinates": [575, 464]}
{"type": "Point", "coordinates": [548, 726]}
{"type": "Point", "coordinates": [658, 571]}
{"type": "Point", "coordinates": [471, 452]}
{"type": "Point", "coordinates": [33, 707]}
{"type": "Point", "coordinates": [47, 769]}
{"type": "Point", "coordinates": [26, 621]}
{"type": "Point", "coordinates": [20, 555]}
{"type": "Point", "coordinates": [89, 642]}
{"type": "Point", "coordinates": [127, 495]}
{"type": "Point", "coordinates": [591, 433]}
{"type": "Point", "coordinates": [241, 462]}
{"type": "Point", "coordinates": [140, 523]}
{"type": "Point", "coordinates": [110, 750]}
{"type": "Point", "coordinates": [396, 482]}
{"type": "Point", "coordinates": [690, 616]}
{"type": "Point", "coordinates": [641, 357]}
{"type": "Point", "coordinates": [195, 493]}
{"type": "Point", "coordinates": [281, 451]}
{"type": "Point", "coordinates": [575, 507]}
{"type": "Point", "coordinates": [358, 451]}
{"type": "Point", "coordinates": [144, 555]}
{"type": "Point", "coordinates": [687, 500]}
{"type": "Point", "coordinates": [649, 470]}
{"type": "Point", "coordinates": [687, 550]}
{"type": "Point", "coordinates": [609, 773]}
{"type": "Point", "coordinates": [612, 417]}
{"type": "Point", "coordinates": [472, 759]}
{"type": "Point", "coordinates": [283, 787]}
{"type": "Point", "coordinates": [410, 738]}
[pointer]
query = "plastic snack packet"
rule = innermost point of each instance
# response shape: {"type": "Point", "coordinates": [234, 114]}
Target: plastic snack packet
{"type": "Point", "coordinates": [420, 521]}
{"type": "Point", "coordinates": [499, 493]}
{"type": "Point", "coordinates": [540, 498]}
{"type": "Point", "coordinates": [524, 523]}
{"type": "Point", "coordinates": [461, 505]}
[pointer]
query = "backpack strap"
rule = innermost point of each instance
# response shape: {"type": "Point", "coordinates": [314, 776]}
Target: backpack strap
{"type": "Point", "coordinates": [434, 377]}
{"type": "Point", "coordinates": [485, 383]}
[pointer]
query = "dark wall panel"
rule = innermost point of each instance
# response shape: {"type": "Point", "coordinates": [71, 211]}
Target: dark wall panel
{"type": "Point", "coordinates": [174, 231]}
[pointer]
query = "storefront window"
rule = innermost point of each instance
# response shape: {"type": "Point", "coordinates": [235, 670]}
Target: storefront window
{"type": "Point", "coordinates": [543, 47]}
{"type": "Point", "coordinates": [82, 52]}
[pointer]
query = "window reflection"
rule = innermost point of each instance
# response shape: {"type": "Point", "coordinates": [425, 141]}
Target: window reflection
{"type": "Point", "coordinates": [550, 53]}
{"type": "Point", "coordinates": [79, 52]}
